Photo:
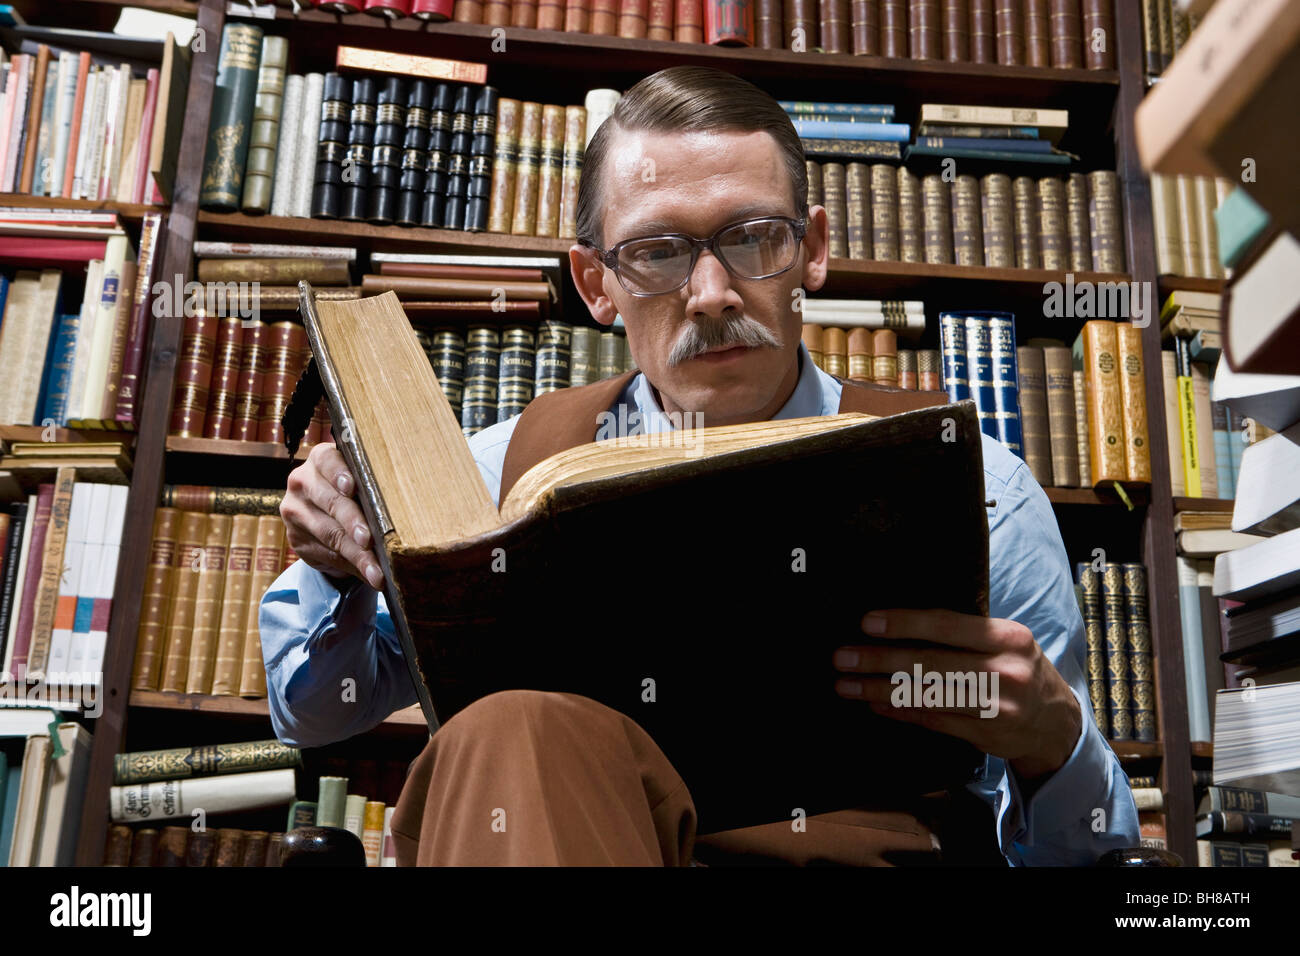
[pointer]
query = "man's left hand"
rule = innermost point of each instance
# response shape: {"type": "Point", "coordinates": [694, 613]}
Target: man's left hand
{"type": "Point", "coordinates": [1037, 720]}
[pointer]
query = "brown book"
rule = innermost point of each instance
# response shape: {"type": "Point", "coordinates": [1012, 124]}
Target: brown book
{"type": "Point", "coordinates": [495, 13]}
{"type": "Point", "coordinates": [884, 357]}
{"type": "Point", "coordinates": [201, 848]}
{"type": "Point", "coordinates": [911, 222]}
{"type": "Point", "coordinates": [381, 380]}
{"type": "Point", "coordinates": [273, 843]}
{"type": "Point", "coordinates": [148, 265]}
{"type": "Point", "coordinates": [814, 341]}
{"type": "Point", "coordinates": [180, 610]}
{"type": "Point", "coordinates": [688, 22]}
{"type": "Point", "coordinates": [222, 391]}
{"type": "Point", "coordinates": [1132, 386]}
{"type": "Point", "coordinates": [767, 25]}
{"type": "Point", "coordinates": [800, 25]}
{"type": "Point", "coordinates": [1024, 196]}
{"type": "Point", "coordinates": [1105, 221]}
{"type": "Point", "coordinates": [575, 138]}
{"type": "Point", "coordinates": [1063, 430]}
{"type": "Point", "coordinates": [235, 597]}
{"type": "Point", "coordinates": [122, 317]}
{"type": "Point", "coordinates": [1165, 32]}
{"type": "Point", "coordinates": [865, 16]}
{"type": "Point", "coordinates": [155, 599]}
{"type": "Point", "coordinates": [117, 851]}
{"type": "Point", "coordinates": [833, 25]}
{"type": "Point", "coordinates": [983, 32]}
{"type": "Point", "coordinates": [173, 845]}
{"type": "Point", "coordinates": [1099, 34]}
{"type": "Point", "coordinates": [956, 31]}
{"type": "Point", "coordinates": [52, 572]}
{"type": "Point", "coordinates": [286, 355]}
{"type": "Point", "coordinates": [230, 847]}
{"type": "Point", "coordinates": [255, 840]}
{"type": "Point", "coordinates": [550, 172]}
{"type": "Point", "coordinates": [350, 58]}
{"type": "Point", "coordinates": [435, 270]}
{"type": "Point", "coordinates": [144, 847]}
{"type": "Point", "coordinates": [1038, 34]}
{"type": "Point", "coordinates": [893, 28]}
{"type": "Point", "coordinates": [268, 562]}
{"type": "Point", "coordinates": [857, 177]}
{"type": "Point", "coordinates": [1189, 225]}
{"type": "Point", "coordinates": [1151, 37]}
{"type": "Point", "coordinates": [815, 191]}
{"type": "Point", "coordinates": [457, 288]}
{"type": "Point", "coordinates": [1076, 222]}
{"type": "Point", "coordinates": [907, 369]}
{"type": "Point", "coordinates": [501, 206]}
{"type": "Point", "coordinates": [1033, 413]}
{"type": "Point", "coordinates": [836, 213]}
{"type": "Point", "coordinates": [967, 228]}
{"type": "Point", "coordinates": [207, 605]}
{"type": "Point", "coordinates": [36, 99]}
{"type": "Point", "coordinates": [277, 271]}
{"type": "Point", "coordinates": [860, 355]}
{"type": "Point", "coordinates": [194, 375]}
{"type": "Point", "coordinates": [1065, 23]}
{"type": "Point", "coordinates": [997, 228]}
{"type": "Point", "coordinates": [937, 211]}
{"type": "Point", "coordinates": [523, 13]}
{"type": "Point", "coordinates": [923, 30]}
{"type": "Point", "coordinates": [884, 212]}
{"type": "Point", "coordinates": [835, 352]}
{"type": "Point", "coordinates": [1009, 30]}
{"type": "Point", "coordinates": [248, 397]}
{"type": "Point", "coordinates": [1081, 422]}
{"type": "Point", "coordinates": [528, 169]}
{"type": "Point", "coordinates": [1053, 247]}
{"type": "Point", "coordinates": [1099, 351]}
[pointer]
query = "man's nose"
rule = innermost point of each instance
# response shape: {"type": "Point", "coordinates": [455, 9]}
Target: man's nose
{"type": "Point", "coordinates": [710, 285]}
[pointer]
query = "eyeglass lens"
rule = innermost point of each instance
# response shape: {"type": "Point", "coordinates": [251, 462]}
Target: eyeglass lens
{"type": "Point", "coordinates": [753, 250]}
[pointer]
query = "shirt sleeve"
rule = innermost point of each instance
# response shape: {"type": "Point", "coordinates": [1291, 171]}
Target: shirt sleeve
{"type": "Point", "coordinates": [1086, 808]}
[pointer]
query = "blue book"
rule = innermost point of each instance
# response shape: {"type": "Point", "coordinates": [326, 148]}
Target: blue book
{"type": "Point", "coordinates": [46, 134]}
{"type": "Point", "coordinates": [58, 371]}
{"type": "Point", "coordinates": [834, 129]}
{"type": "Point", "coordinates": [1204, 347]}
{"type": "Point", "coordinates": [1239, 221]}
{"type": "Point", "coordinates": [952, 337]}
{"type": "Point", "coordinates": [4, 296]}
{"type": "Point", "coordinates": [1006, 380]}
{"type": "Point", "coordinates": [1189, 605]}
{"type": "Point", "coordinates": [979, 371]}
{"type": "Point", "coordinates": [871, 111]}
{"type": "Point", "coordinates": [10, 17]}
{"type": "Point", "coordinates": [11, 774]}
{"type": "Point", "coordinates": [1222, 451]}
{"type": "Point", "coordinates": [985, 145]}
{"type": "Point", "coordinates": [999, 155]}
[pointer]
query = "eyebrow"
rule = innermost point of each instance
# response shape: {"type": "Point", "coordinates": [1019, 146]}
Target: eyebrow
{"type": "Point", "coordinates": [647, 227]}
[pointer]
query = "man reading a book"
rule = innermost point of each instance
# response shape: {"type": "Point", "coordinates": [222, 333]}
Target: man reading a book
{"type": "Point", "coordinates": [693, 224]}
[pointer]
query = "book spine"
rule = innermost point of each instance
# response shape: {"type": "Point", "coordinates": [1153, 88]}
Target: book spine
{"type": "Point", "coordinates": [911, 221]}
{"type": "Point", "coordinates": [582, 355]}
{"type": "Point", "coordinates": [1201, 375]}
{"type": "Point", "coordinates": [225, 378]}
{"type": "Point", "coordinates": [149, 262]}
{"type": "Point", "coordinates": [937, 210]}
{"type": "Point", "coordinates": [517, 369]}
{"type": "Point", "coordinates": [528, 172]}
{"type": "Point", "coordinates": [268, 102]}
{"type": "Point", "coordinates": [1025, 209]}
{"type": "Point", "coordinates": [1037, 34]}
{"type": "Point", "coordinates": [1150, 37]}
{"type": "Point", "coordinates": [1094, 631]}
{"type": "Point", "coordinates": [1077, 224]}
{"type": "Point", "coordinates": [575, 137]}
{"type": "Point", "coordinates": [1208, 239]}
{"type": "Point", "coordinates": [833, 198]}
{"type": "Point", "coordinates": [1104, 221]}
{"type": "Point", "coordinates": [1132, 381]}
{"type": "Point", "coordinates": [207, 604]}
{"type": "Point", "coordinates": [248, 398]}
{"type": "Point", "coordinates": [286, 152]}
{"type": "Point", "coordinates": [884, 357]}
{"type": "Point", "coordinates": [155, 601]}
{"type": "Point", "coordinates": [52, 573]}
{"type": "Point", "coordinates": [952, 336]}
{"type": "Point", "coordinates": [979, 369]}
{"type": "Point", "coordinates": [983, 32]}
{"type": "Point", "coordinates": [11, 541]}
{"type": "Point", "coordinates": [1009, 33]}
{"type": "Point", "coordinates": [173, 799]}
{"type": "Point", "coordinates": [1189, 225]}
{"type": "Point", "coordinates": [1033, 405]}
{"type": "Point", "coordinates": [268, 561]}
{"type": "Point", "coordinates": [148, 110]}
{"type": "Point", "coordinates": [893, 27]}
{"type": "Point", "coordinates": [956, 31]}
{"type": "Point", "coordinates": [1142, 695]}
{"type": "Point", "coordinates": [967, 226]}
{"type": "Point", "coordinates": [1173, 434]}
{"type": "Point", "coordinates": [1066, 26]}
{"type": "Point", "coordinates": [884, 212]}
{"type": "Point", "coordinates": [381, 195]}
{"type": "Point", "coordinates": [1058, 377]}
{"type": "Point", "coordinates": [308, 149]}
{"type": "Point", "coordinates": [1081, 420]}
{"type": "Point", "coordinates": [860, 354]}
{"type": "Point", "coordinates": [286, 357]}
{"type": "Point", "coordinates": [1223, 469]}
{"type": "Point", "coordinates": [835, 352]}
{"type": "Point", "coordinates": [1105, 402]}
{"type": "Point", "coordinates": [1119, 682]}
{"type": "Point", "coordinates": [1198, 705]}
{"type": "Point", "coordinates": [857, 211]}
{"type": "Point", "coordinates": [482, 362]}
{"type": "Point", "coordinates": [1098, 34]}
{"type": "Point", "coordinates": [180, 614]}
{"type": "Point", "coordinates": [1052, 244]}
{"type": "Point", "coordinates": [40, 76]}
{"type": "Point", "coordinates": [415, 155]}
{"type": "Point", "coordinates": [1164, 218]}
{"type": "Point", "coordinates": [62, 353]}
{"type": "Point", "coordinates": [865, 17]}
{"type": "Point", "coordinates": [996, 222]}
{"type": "Point", "coordinates": [1165, 32]}
{"type": "Point", "coordinates": [907, 369]}
{"type": "Point", "coordinates": [232, 110]}
{"type": "Point", "coordinates": [554, 340]}
{"type": "Point", "coordinates": [194, 375]}
{"type": "Point", "coordinates": [233, 609]}
{"type": "Point", "coordinates": [1005, 380]}
{"type": "Point", "coordinates": [123, 318]}
{"type": "Point", "coordinates": [923, 29]}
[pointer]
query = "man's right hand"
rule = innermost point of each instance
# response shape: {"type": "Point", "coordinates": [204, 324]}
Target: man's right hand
{"type": "Point", "coordinates": [323, 520]}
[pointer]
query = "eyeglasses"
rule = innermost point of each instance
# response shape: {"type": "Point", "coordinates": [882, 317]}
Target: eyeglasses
{"type": "Point", "coordinates": [752, 249]}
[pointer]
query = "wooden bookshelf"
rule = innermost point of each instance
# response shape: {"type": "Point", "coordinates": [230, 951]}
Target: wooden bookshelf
{"type": "Point", "coordinates": [237, 449]}
{"type": "Point", "coordinates": [246, 707]}
{"type": "Point", "coordinates": [10, 433]}
{"type": "Point", "coordinates": [129, 211]}
{"type": "Point", "coordinates": [1223, 505]}
{"type": "Point", "coordinates": [1172, 283]}
{"type": "Point", "coordinates": [1130, 751]}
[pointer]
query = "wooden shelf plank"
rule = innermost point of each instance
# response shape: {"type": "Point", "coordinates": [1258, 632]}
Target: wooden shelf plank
{"type": "Point", "coordinates": [1171, 283]}
{"type": "Point", "coordinates": [37, 432]}
{"type": "Point", "coordinates": [229, 447]}
{"type": "Point", "coordinates": [1222, 505]}
{"type": "Point", "coordinates": [1202, 750]}
{"type": "Point", "coordinates": [1090, 496]}
{"type": "Point", "coordinates": [208, 704]}
{"type": "Point", "coordinates": [1131, 750]}
{"type": "Point", "coordinates": [125, 210]}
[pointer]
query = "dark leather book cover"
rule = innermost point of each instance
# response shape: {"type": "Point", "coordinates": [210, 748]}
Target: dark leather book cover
{"type": "Point", "coordinates": [956, 31]}
{"type": "Point", "coordinates": [1009, 29]}
{"type": "Point", "coordinates": [893, 28]}
{"type": "Point", "coordinates": [1119, 675]}
{"type": "Point", "coordinates": [983, 32]}
{"type": "Point", "coordinates": [865, 15]}
{"type": "Point", "coordinates": [923, 30]}
{"type": "Point", "coordinates": [727, 665]}
{"type": "Point", "coordinates": [1094, 634]}
{"type": "Point", "coordinates": [232, 116]}
{"type": "Point", "coordinates": [1142, 678]}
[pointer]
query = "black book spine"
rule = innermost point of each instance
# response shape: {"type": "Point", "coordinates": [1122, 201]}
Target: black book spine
{"type": "Point", "coordinates": [482, 145]}
{"type": "Point", "coordinates": [327, 187]}
{"type": "Point", "coordinates": [9, 588]}
{"type": "Point", "coordinates": [449, 365]}
{"type": "Point", "coordinates": [482, 361]}
{"type": "Point", "coordinates": [1119, 681]}
{"type": "Point", "coordinates": [1142, 679]}
{"type": "Point", "coordinates": [386, 153]}
{"type": "Point", "coordinates": [554, 340]}
{"type": "Point", "coordinates": [516, 371]}
{"type": "Point", "coordinates": [436, 167]}
{"type": "Point", "coordinates": [457, 195]}
{"type": "Point", "coordinates": [415, 154]}
{"type": "Point", "coordinates": [361, 139]}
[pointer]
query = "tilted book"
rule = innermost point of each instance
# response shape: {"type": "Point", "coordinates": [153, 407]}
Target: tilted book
{"type": "Point", "coordinates": [699, 582]}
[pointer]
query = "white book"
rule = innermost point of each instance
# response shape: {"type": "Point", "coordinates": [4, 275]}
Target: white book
{"type": "Point", "coordinates": [1266, 502]}
{"type": "Point", "coordinates": [910, 306]}
{"type": "Point", "coordinates": [85, 335]}
{"type": "Point", "coordinates": [44, 145]}
{"type": "Point", "coordinates": [115, 141]}
{"type": "Point", "coordinates": [31, 801]}
{"type": "Point", "coordinates": [24, 558]}
{"type": "Point", "coordinates": [388, 852]}
{"type": "Point", "coordinates": [286, 155]}
{"type": "Point", "coordinates": [308, 143]}
{"type": "Point", "coordinates": [1273, 400]}
{"type": "Point", "coordinates": [174, 799]}
{"type": "Point", "coordinates": [92, 400]}
{"type": "Point", "coordinates": [18, 122]}
{"type": "Point", "coordinates": [1269, 567]}
{"type": "Point", "coordinates": [98, 134]}
{"type": "Point", "coordinates": [910, 322]}
{"type": "Point", "coordinates": [522, 262]}
{"type": "Point", "coordinates": [93, 666]}
{"type": "Point", "coordinates": [65, 793]}
{"type": "Point", "coordinates": [64, 103]}
{"type": "Point", "coordinates": [6, 111]}
{"type": "Point", "coordinates": [84, 135]}
{"type": "Point", "coordinates": [268, 250]}
{"type": "Point", "coordinates": [92, 556]}
{"type": "Point", "coordinates": [65, 612]}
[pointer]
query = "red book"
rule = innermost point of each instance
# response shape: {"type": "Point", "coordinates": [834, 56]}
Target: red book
{"type": "Point", "coordinates": [389, 9]}
{"type": "Point", "coordinates": [688, 21]}
{"type": "Point", "coordinates": [728, 23]}
{"type": "Point", "coordinates": [32, 583]}
{"type": "Point", "coordinates": [146, 135]}
{"type": "Point", "coordinates": [287, 356]}
{"type": "Point", "coordinates": [152, 228]}
{"type": "Point", "coordinates": [633, 18]}
{"type": "Point", "coordinates": [194, 375]}
{"type": "Point", "coordinates": [435, 10]}
{"type": "Point", "coordinates": [43, 251]}
{"type": "Point", "coordinates": [577, 18]}
{"type": "Point", "coordinates": [220, 417]}
{"type": "Point", "coordinates": [74, 134]}
{"type": "Point", "coordinates": [248, 398]}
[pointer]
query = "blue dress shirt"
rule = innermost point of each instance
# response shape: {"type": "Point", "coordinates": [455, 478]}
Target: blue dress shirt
{"type": "Point", "coordinates": [334, 667]}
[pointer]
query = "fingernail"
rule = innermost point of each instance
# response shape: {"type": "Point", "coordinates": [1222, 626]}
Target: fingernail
{"type": "Point", "coordinates": [344, 483]}
{"type": "Point", "coordinates": [873, 624]}
{"type": "Point", "coordinates": [849, 688]}
{"type": "Point", "coordinates": [375, 577]}
{"type": "Point", "coordinates": [846, 659]}
{"type": "Point", "coordinates": [359, 534]}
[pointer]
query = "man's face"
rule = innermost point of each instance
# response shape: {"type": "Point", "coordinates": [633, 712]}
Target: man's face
{"type": "Point", "coordinates": [695, 183]}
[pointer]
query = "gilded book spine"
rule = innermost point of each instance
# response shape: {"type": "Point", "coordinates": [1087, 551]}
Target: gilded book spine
{"type": "Point", "coordinates": [860, 355]}
{"type": "Point", "coordinates": [923, 29]}
{"type": "Point", "coordinates": [1099, 34]}
{"type": "Point", "coordinates": [207, 605]}
{"type": "Point", "coordinates": [1037, 34]}
{"type": "Point", "coordinates": [857, 210]}
{"type": "Point", "coordinates": [528, 170]}
{"type": "Point", "coordinates": [884, 212]}
{"type": "Point", "coordinates": [1024, 193]}
{"type": "Point", "coordinates": [229, 501]}
{"type": "Point", "coordinates": [194, 374]}
{"type": "Point", "coordinates": [268, 561]}
{"type": "Point", "coordinates": [1142, 695]}
{"type": "Point", "coordinates": [1081, 427]}
{"type": "Point", "coordinates": [952, 336]}
{"type": "Point", "coordinates": [1066, 26]}
{"type": "Point", "coordinates": [833, 198]}
{"type": "Point", "coordinates": [180, 613]}
{"type": "Point", "coordinates": [1132, 382]}
{"type": "Point", "coordinates": [248, 394]}
{"type": "Point", "coordinates": [835, 352]}
{"type": "Point", "coordinates": [232, 113]}
{"type": "Point", "coordinates": [516, 371]}
{"type": "Point", "coordinates": [1118, 674]}
{"type": "Point", "coordinates": [995, 210]}
{"type": "Point", "coordinates": [1033, 405]}
{"type": "Point", "coordinates": [260, 165]}
{"type": "Point", "coordinates": [967, 229]}
{"type": "Point", "coordinates": [1077, 226]}
{"type": "Point", "coordinates": [584, 342]}
{"type": "Point", "coordinates": [1005, 377]}
{"type": "Point", "coordinates": [220, 417]}
{"type": "Point", "coordinates": [865, 17]}
{"type": "Point", "coordinates": [937, 210]}
{"type": "Point", "coordinates": [1094, 632]}
{"type": "Point", "coordinates": [150, 765]}
{"type": "Point", "coordinates": [554, 340]}
{"type": "Point", "coordinates": [1052, 244]}
{"type": "Point", "coordinates": [415, 156]}
{"type": "Point", "coordinates": [1104, 221]}
{"type": "Point", "coordinates": [448, 360]}
{"type": "Point", "coordinates": [575, 138]}
{"type": "Point", "coordinates": [1010, 33]}
{"type": "Point", "coordinates": [956, 31]}
{"type": "Point", "coordinates": [911, 222]}
{"type": "Point", "coordinates": [235, 595]}
{"type": "Point", "coordinates": [893, 28]}
{"type": "Point", "coordinates": [155, 600]}
{"type": "Point", "coordinates": [1105, 414]}
{"type": "Point", "coordinates": [550, 173]}
{"type": "Point", "coordinates": [983, 32]}
{"type": "Point", "coordinates": [482, 360]}
{"type": "Point", "coordinates": [1058, 377]}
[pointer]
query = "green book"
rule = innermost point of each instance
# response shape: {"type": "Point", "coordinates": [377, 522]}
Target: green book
{"type": "Point", "coordinates": [302, 813]}
{"type": "Point", "coordinates": [1239, 220]}
{"type": "Point", "coordinates": [331, 802]}
{"type": "Point", "coordinates": [229, 130]}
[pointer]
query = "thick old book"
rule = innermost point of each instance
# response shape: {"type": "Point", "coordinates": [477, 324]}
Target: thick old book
{"type": "Point", "coordinates": [470, 587]}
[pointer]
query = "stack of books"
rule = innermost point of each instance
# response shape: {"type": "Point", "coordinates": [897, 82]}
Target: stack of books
{"type": "Point", "coordinates": [1166, 25]}
{"type": "Point", "coordinates": [854, 131]}
{"type": "Point", "coordinates": [1006, 134]}
{"type": "Point", "coordinates": [43, 765]}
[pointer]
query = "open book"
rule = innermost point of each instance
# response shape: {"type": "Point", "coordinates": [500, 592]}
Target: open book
{"type": "Point", "coordinates": [699, 585]}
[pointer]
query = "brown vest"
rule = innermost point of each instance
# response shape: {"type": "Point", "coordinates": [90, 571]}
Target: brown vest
{"type": "Point", "coordinates": [562, 419]}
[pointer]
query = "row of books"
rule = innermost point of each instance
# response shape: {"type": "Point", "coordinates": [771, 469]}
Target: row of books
{"type": "Point", "coordinates": [1183, 215]}
{"type": "Point", "coordinates": [58, 578]}
{"type": "Point", "coordinates": [81, 368]}
{"type": "Point", "coordinates": [1117, 639]}
{"type": "Point", "coordinates": [76, 127]}
{"type": "Point", "coordinates": [1237, 826]}
{"type": "Point", "coordinates": [1166, 25]}
{"type": "Point", "coordinates": [369, 820]}
{"type": "Point", "coordinates": [43, 766]}
{"type": "Point", "coordinates": [871, 355]}
{"type": "Point", "coordinates": [1047, 33]}
{"type": "Point", "coordinates": [182, 846]}
{"type": "Point", "coordinates": [205, 576]}
{"type": "Point", "coordinates": [879, 211]}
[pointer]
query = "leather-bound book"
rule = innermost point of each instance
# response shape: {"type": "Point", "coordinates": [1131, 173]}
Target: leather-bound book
{"type": "Point", "coordinates": [860, 355]}
{"type": "Point", "coordinates": [996, 221]}
{"type": "Point", "coordinates": [1118, 675]}
{"type": "Point", "coordinates": [688, 21]}
{"type": "Point", "coordinates": [768, 25]}
{"type": "Point", "coordinates": [248, 397]}
{"type": "Point", "coordinates": [575, 138]}
{"type": "Point", "coordinates": [180, 610]}
{"type": "Point", "coordinates": [361, 140]}
{"type": "Point", "coordinates": [1008, 27]}
{"type": "Point", "coordinates": [833, 25]}
{"type": "Point", "coordinates": [835, 351]}
{"type": "Point", "coordinates": [1099, 35]}
{"type": "Point", "coordinates": [1058, 376]}
{"type": "Point", "coordinates": [437, 164]}
{"type": "Point", "coordinates": [527, 176]}
{"type": "Point", "coordinates": [1105, 225]}
{"type": "Point", "coordinates": [936, 207]}
{"type": "Point", "coordinates": [1006, 380]}
{"type": "Point", "coordinates": [386, 151]}
{"type": "Point", "coordinates": [1066, 30]}
{"type": "Point", "coordinates": [501, 208]}
{"type": "Point", "coordinates": [233, 95]}
{"type": "Point", "coordinates": [550, 172]}
{"type": "Point", "coordinates": [609, 356]}
{"type": "Point", "coordinates": [518, 368]}
{"type": "Point", "coordinates": [154, 600]}
{"type": "Point", "coordinates": [230, 847]}
{"type": "Point", "coordinates": [1084, 437]}
{"type": "Point", "coordinates": [235, 596]}
{"type": "Point", "coordinates": [929, 370]}
{"type": "Point", "coordinates": [254, 852]}
{"type": "Point", "coordinates": [658, 27]}
{"type": "Point", "coordinates": [577, 18]}
{"type": "Point", "coordinates": [285, 353]}
{"type": "Point", "coordinates": [268, 561]}
{"type": "Point", "coordinates": [1142, 684]}
{"type": "Point", "coordinates": [415, 154]}
{"type": "Point", "coordinates": [144, 848]}
{"type": "Point", "coordinates": [893, 28]}
{"type": "Point", "coordinates": [983, 32]}
{"type": "Point", "coordinates": [448, 361]}
{"type": "Point", "coordinates": [1132, 387]}
{"type": "Point", "coordinates": [1165, 26]}
{"type": "Point", "coordinates": [1076, 222]}
{"type": "Point", "coordinates": [857, 209]}
{"type": "Point", "coordinates": [220, 417]}
{"type": "Point", "coordinates": [864, 18]}
{"type": "Point", "coordinates": [523, 13]}
{"type": "Point", "coordinates": [194, 374]}
{"type": "Point", "coordinates": [436, 11]}
{"type": "Point", "coordinates": [604, 18]}
{"type": "Point", "coordinates": [275, 271]}
{"type": "Point", "coordinates": [633, 17]}
{"type": "Point", "coordinates": [207, 605]}
{"type": "Point", "coordinates": [1151, 37]}
{"type": "Point", "coordinates": [1096, 355]}
{"type": "Point", "coordinates": [967, 229]}
{"type": "Point", "coordinates": [1094, 633]}
{"type": "Point", "coordinates": [884, 357]}
{"type": "Point", "coordinates": [123, 317]}
{"type": "Point", "coordinates": [884, 212]}
{"type": "Point", "coordinates": [907, 369]}
{"type": "Point", "coordinates": [456, 202]}
{"type": "Point", "coordinates": [202, 848]}
{"type": "Point", "coordinates": [436, 528]}
{"type": "Point", "coordinates": [833, 198]}
{"type": "Point", "coordinates": [332, 148]}
{"type": "Point", "coordinates": [1038, 33]}
{"type": "Point", "coordinates": [800, 25]}
{"type": "Point", "coordinates": [482, 365]}
{"type": "Point", "coordinates": [482, 144]}
{"type": "Point", "coordinates": [227, 501]}
{"type": "Point", "coordinates": [173, 845]}
{"type": "Point", "coordinates": [496, 13]}
{"type": "Point", "coordinates": [1024, 197]}
{"type": "Point", "coordinates": [816, 192]}
{"type": "Point", "coordinates": [814, 340]}
{"type": "Point", "coordinates": [911, 222]}
{"type": "Point", "coordinates": [1170, 256]}
{"type": "Point", "coordinates": [554, 340]}
{"type": "Point", "coordinates": [149, 266]}
{"type": "Point", "coordinates": [924, 30]}
{"type": "Point", "coordinates": [956, 31]}
{"type": "Point", "coordinates": [274, 841]}
{"type": "Point", "coordinates": [117, 850]}
{"type": "Point", "coordinates": [1033, 409]}
{"type": "Point", "coordinates": [259, 169]}
{"type": "Point", "coordinates": [1053, 246]}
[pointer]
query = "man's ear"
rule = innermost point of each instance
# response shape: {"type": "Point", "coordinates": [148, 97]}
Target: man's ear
{"type": "Point", "coordinates": [589, 279]}
{"type": "Point", "coordinates": [816, 249]}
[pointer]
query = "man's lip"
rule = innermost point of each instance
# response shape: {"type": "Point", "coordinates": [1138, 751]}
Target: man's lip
{"type": "Point", "coordinates": [724, 348]}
